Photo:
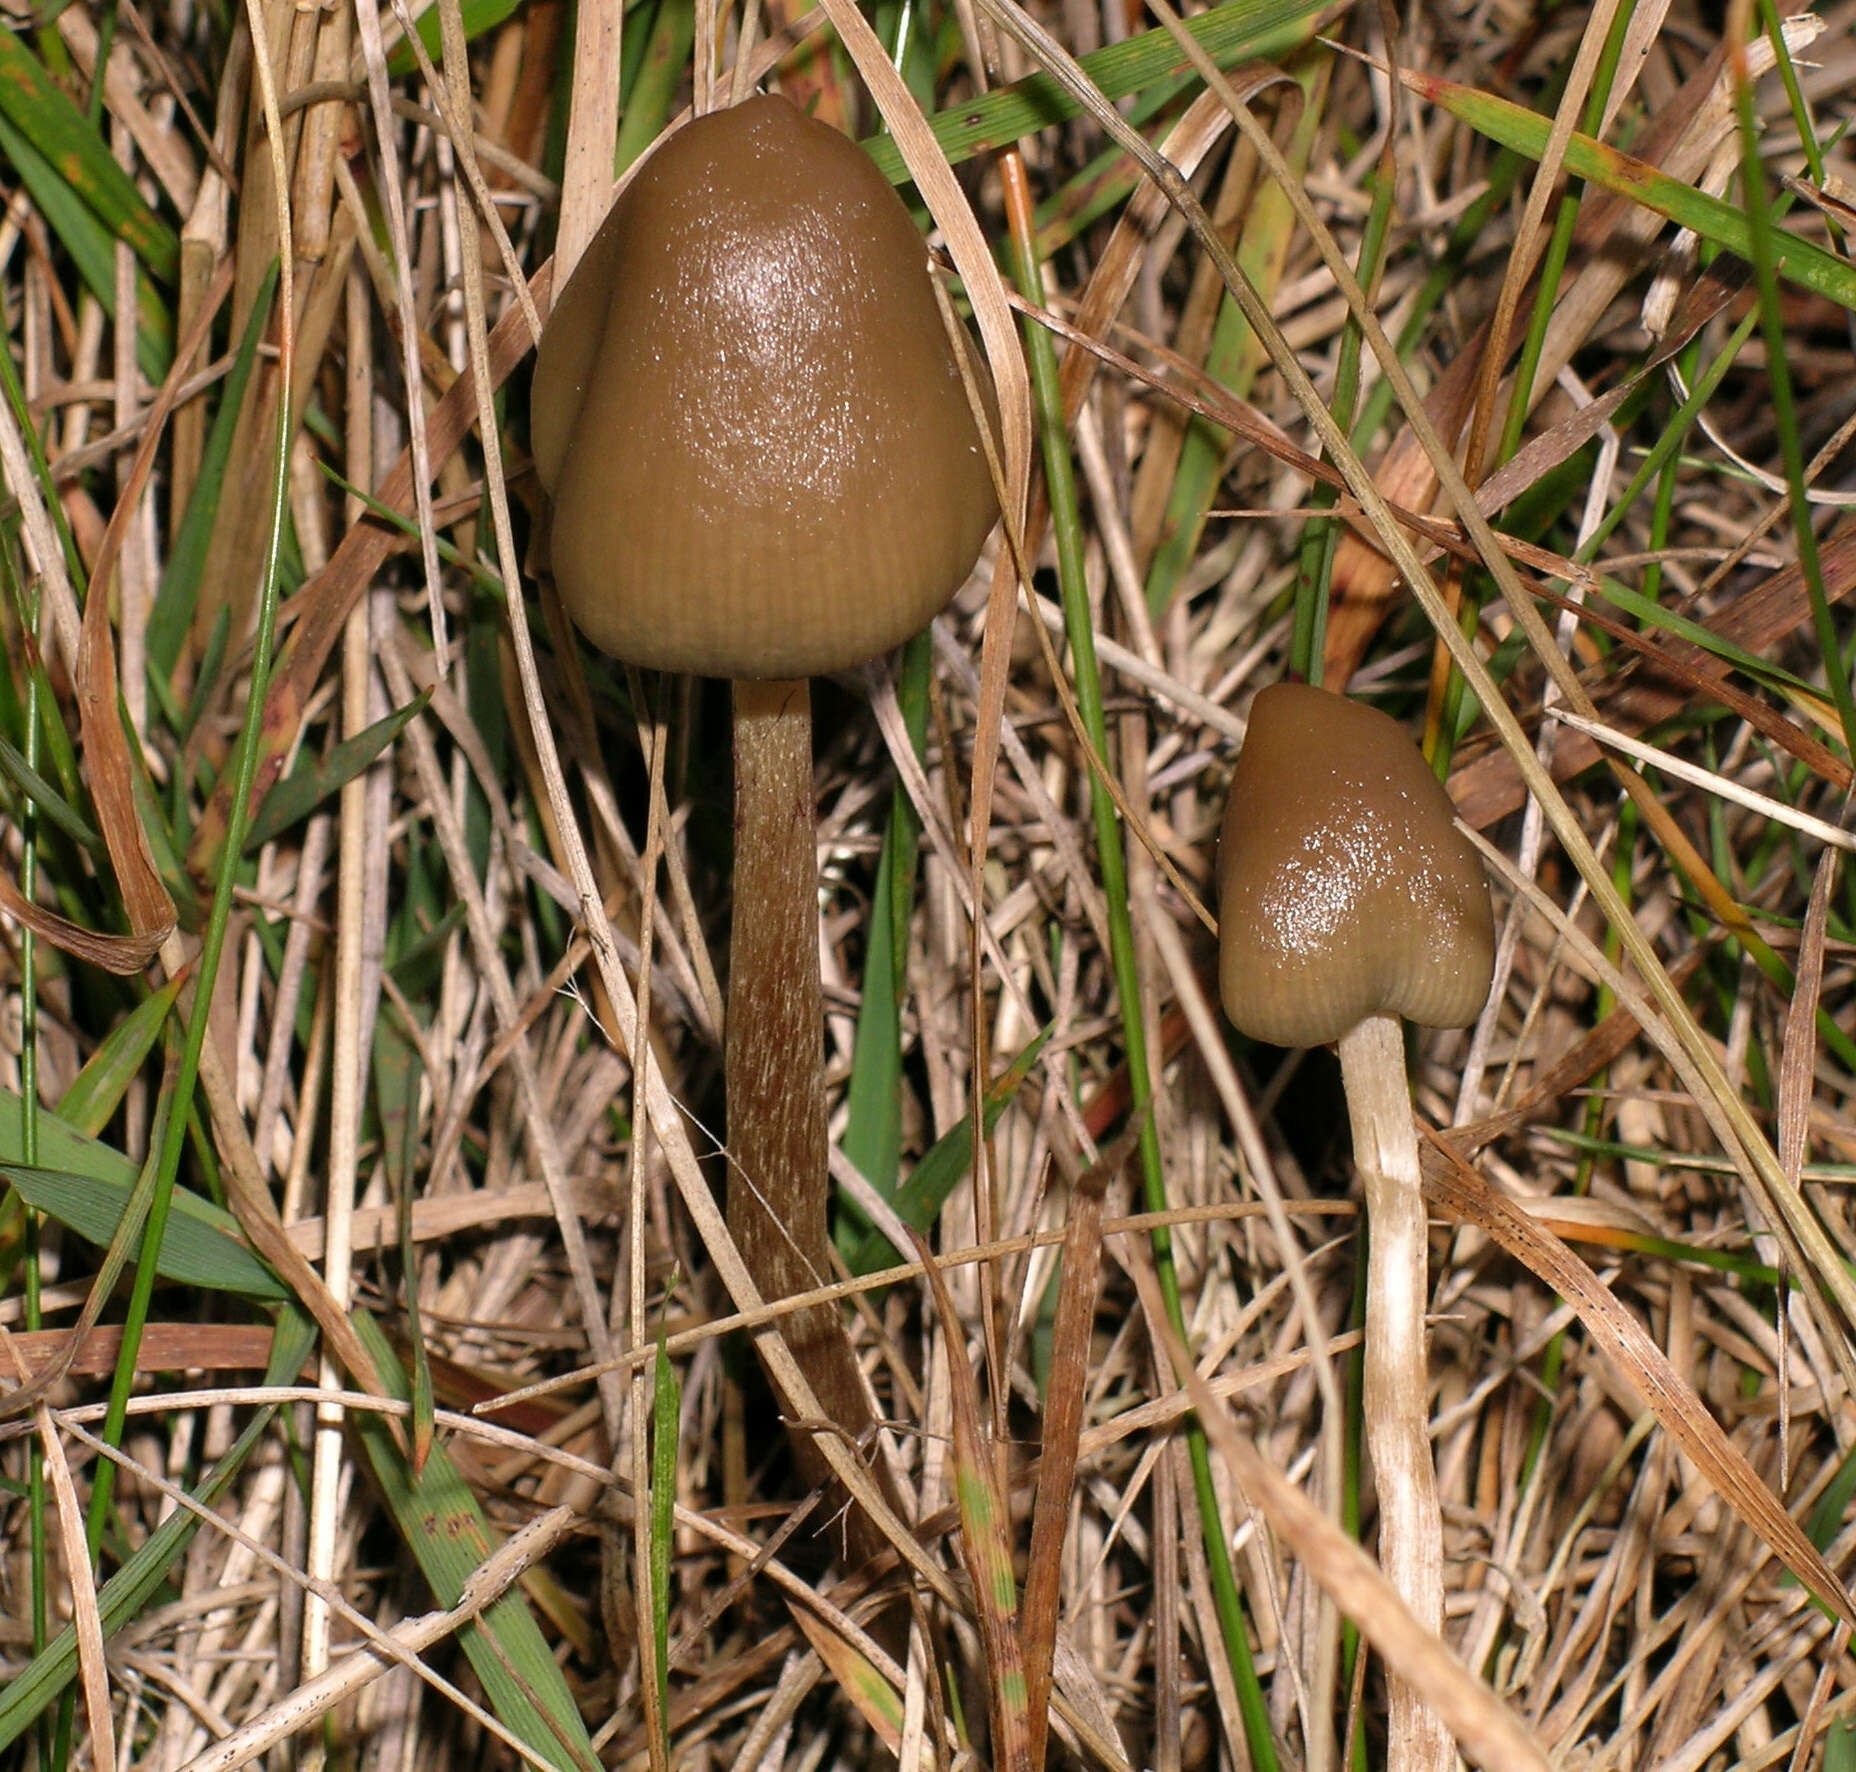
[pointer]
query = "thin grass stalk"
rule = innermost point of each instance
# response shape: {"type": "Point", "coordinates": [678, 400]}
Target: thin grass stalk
{"type": "Point", "coordinates": [1559, 246]}
{"type": "Point", "coordinates": [1758, 209]}
{"type": "Point", "coordinates": [1314, 574]}
{"type": "Point", "coordinates": [37, 1542]}
{"type": "Point", "coordinates": [1664, 455]}
{"type": "Point", "coordinates": [1471, 229]}
{"type": "Point", "coordinates": [1774, 27]}
{"type": "Point", "coordinates": [1066, 530]}
{"type": "Point", "coordinates": [206, 971]}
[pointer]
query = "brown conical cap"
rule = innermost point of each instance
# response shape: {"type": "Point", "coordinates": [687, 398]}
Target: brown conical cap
{"type": "Point", "coordinates": [1344, 888]}
{"type": "Point", "coordinates": [749, 415]}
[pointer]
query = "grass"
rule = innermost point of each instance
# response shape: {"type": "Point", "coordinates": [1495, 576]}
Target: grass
{"type": "Point", "coordinates": [361, 1278]}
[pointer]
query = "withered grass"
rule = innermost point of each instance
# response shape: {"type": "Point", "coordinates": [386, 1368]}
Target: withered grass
{"type": "Point", "coordinates": [459, 1073]}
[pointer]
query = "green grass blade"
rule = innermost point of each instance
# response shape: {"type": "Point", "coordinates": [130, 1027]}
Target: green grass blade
{"type": "Point", "coordinates": [655, 80]}
{"type": "Point", "coordinates": [36, 106]}
{"type": "Point", "coordinates": [57, 810]}
{"type": "Point", "coordinates": [1721, 224]}
{"type": "Point", "coordinates": [873, 1130]}
{"type": "Point", "coordinates": [172, 615]}
{"type": "Point", "coordinates": [201, 1244]}
{"type": "Point", "coordinates": [938, 1173]}
{"type": "Point", "coordinates": [92, 248]}
{"type": "Point", "coordinates": [666, 1411]}
{"type": "Point", "coordinates": [97, 1090]}
{"type": "Point", "coordinates": [478, 16]}
{"type": "Point", "coordinates": [60, 1145]}
{"type": "Point", "coordinates": [300, 793]}
{"type": "Point", "coordinates": [1241, 31]}
{"type": "Point", "coordinates": [444, 1528]}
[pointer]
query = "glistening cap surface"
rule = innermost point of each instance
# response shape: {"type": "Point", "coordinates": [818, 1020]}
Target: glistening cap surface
{"type": "Point", "coordinates": [749, 415]}
{"type": "Point", "coordinates": [1344, 889]}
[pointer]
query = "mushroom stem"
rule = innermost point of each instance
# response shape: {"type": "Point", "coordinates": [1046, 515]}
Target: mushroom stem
{"type": "Point", "coordinates": [1385, 1150]}
{"type": "Point", "coordinates": [774, 1057]}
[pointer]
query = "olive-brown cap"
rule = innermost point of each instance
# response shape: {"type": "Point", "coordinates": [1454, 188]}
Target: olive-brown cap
{"type": "Point", "coordinates": [1344, 888]}
{"type": "Point", "coordinates": [749, 414]}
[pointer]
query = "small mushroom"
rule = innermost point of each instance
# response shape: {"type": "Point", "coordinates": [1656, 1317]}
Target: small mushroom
{"type": "Point", "coordinates": [1347, 899]}
{"type": "Point", "coordinates": [763, 465]}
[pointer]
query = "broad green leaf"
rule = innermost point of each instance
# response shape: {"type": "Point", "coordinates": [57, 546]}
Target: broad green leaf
{"type": "Point", "coordinates": [940, 1171]}
{"type": "Point", "coordinates": [92, 248]}
{"type": "Point", "coordinates": [444, 1528]}
{"type": "Point", "coordinates": [62, 1146]}
{"type": "Point", "coordinates": [52, 805]}
{"type": "Point", "coordinates": [77, 154]}
{"type": "Point", "coordinates": [202, 1246]}
{"type": "Point", "coordinates": [97, 1090]}
{"type": "Point", "coordinates": [295, 797]}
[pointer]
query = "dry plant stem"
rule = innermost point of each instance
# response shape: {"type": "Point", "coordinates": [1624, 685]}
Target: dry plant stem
{"type": "Point", "coordinates": [1385, 1150]}
{"type": "Point", "coordinates": [775, 1049]}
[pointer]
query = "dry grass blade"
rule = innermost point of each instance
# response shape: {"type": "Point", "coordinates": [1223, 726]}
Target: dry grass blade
{"type": "Point", "coordinates": [166, 1347]}
{"type": "Point", "coordinates": [1798, 1055]}
{"type": "Point", "coordinates": [125, 955]}
{"type": "Point", "coordinates": [1484, 1727]}
{"type": "Point", "coordinates": [986, 1545]}
{"type": "Point", "coordinates": [1463, 1194]}
{"type": "Point", "coordinates": [272, 275]}
{"type": "Point", "coordinates": [313, 1700]}
{"type": "Point", "coordinates": [94, 1670]}
{"type": "Point", "coordinates": [1832, 836]}
{"type": "Point", "coordinates": [1040, 1611]}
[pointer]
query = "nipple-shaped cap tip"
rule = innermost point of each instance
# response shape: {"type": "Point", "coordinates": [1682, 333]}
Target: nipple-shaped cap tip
{"type": "Point", "coordinates": [1344, 889]}
{"type": "Point", "coordinates": [749, 414]}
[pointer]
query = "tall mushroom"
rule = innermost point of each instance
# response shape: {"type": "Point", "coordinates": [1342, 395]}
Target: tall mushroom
{"type": "Point", "coordinates": [763, 466]}
{"type": "Point", "coordinates": [1347, 900]}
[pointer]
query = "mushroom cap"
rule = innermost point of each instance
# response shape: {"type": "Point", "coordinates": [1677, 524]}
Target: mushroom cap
{"type": "Point", "coordinates": [748, 413]}
{"type": "Point", "coordinates": [1344, 889]}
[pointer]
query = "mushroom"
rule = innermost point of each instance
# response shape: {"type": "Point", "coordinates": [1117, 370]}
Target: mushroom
{"type": "Point", "coordinates": [763, 465]}
{"type": "Point", "coordinates": [1347, 899]}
